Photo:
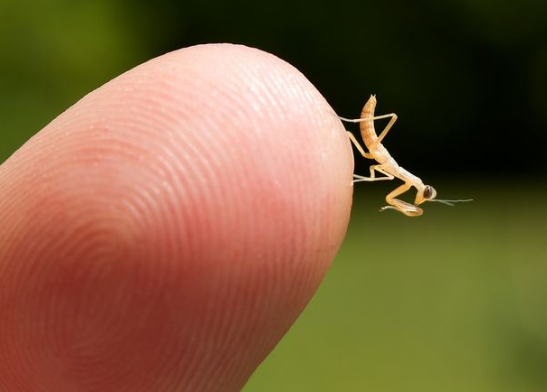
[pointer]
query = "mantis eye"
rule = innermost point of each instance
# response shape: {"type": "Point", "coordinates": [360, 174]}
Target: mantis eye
{"type": "Point", "coordinates": [429, 192]}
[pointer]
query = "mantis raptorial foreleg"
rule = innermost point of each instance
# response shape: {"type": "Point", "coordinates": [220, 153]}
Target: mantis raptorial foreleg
{"type": "Point", "coordinates": [400, 205]}
{"type": "Point", "coordinates": [398, 191]}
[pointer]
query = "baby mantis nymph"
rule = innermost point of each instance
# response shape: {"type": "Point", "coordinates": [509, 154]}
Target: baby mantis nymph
{"type": "Point", "coordinates": [388, 166]}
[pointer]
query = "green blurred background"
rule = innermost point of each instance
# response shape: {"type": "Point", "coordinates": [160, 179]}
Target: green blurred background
{"type": "Point", "coordinates": [452, 301]}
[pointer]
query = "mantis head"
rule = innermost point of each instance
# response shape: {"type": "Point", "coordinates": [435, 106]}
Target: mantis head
{"type": "Point", "coordinates": [425, 193]}
{"type": "Point", "coordinates": [428, 193]}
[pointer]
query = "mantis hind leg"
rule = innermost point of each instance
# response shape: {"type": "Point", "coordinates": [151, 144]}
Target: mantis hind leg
{"type": "Point", "coordinates": [378, 168]}
{"type": "Point", "coordinates": [358, 146]}
{"type": "Point", "coordinates": [386, 130]}
{"type": "Point", "coordinates": [400, 205]}
{"type": "Point", "coordinates": [391, 116]}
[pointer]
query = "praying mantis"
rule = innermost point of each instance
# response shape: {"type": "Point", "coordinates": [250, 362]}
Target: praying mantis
{"type": "Point", "coordinates": [388, 166]}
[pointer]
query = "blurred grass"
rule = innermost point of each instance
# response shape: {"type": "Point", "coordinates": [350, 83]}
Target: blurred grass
{"type": "Point", "coordinates": [54, 52]}
{"type": "Point", "coordinates": [451, 301]}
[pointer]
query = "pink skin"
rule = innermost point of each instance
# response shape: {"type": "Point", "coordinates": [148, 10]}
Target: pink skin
{"type": "Point", "coordinates": [165, 232]}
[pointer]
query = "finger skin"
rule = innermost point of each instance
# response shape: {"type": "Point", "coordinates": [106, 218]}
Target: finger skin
{"type": "Point", "coordinates": [165, 232]}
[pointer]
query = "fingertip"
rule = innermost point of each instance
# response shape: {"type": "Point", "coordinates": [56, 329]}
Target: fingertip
{"type": "Point", "coordinates": [167, 230]}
